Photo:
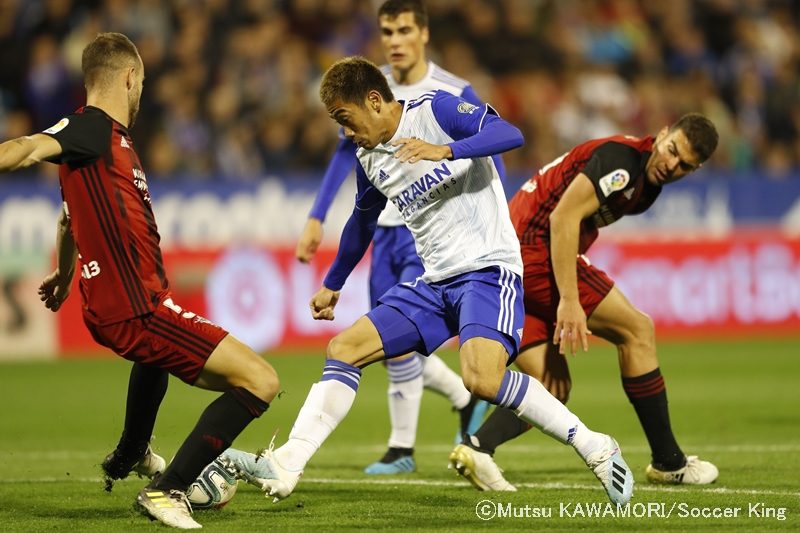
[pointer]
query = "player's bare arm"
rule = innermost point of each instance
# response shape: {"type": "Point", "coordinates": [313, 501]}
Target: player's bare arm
{"type": "Point", "coordinates": [309, 241]}
{"type": "Point", "coordinates": [25, 151]}
{"type": "Point", "coordinates": [323, 302]}
{"type": "Point", "coordinates": [55, 288]}
{"type": "Point", "coordinates": [413, 150]}
{"type": "Point", "coordinates": [579, 202]}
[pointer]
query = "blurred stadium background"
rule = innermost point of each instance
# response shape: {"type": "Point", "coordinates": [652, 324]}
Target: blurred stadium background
{"type": "Point", "coordinates": [234, 143]}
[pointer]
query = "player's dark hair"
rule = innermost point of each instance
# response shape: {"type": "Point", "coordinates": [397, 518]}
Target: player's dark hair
{"type": "Point", "coordinates": [393, 8]}
{"type": "Point", "coordinates": [700, 132]}
{"type": "Point", "coordinates": [349, 80]}
{"type": "Point", "coordinates": [108, 53]}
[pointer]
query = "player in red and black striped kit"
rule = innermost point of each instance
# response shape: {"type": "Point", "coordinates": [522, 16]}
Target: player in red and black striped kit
{"type": "Point", "coordinates": [107, 226]}
{"type": "Point", "coordinates": [557, 215]}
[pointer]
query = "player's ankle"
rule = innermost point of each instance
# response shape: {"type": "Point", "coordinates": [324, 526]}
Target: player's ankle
{"type": "Point", "coordinates": [394, 453]}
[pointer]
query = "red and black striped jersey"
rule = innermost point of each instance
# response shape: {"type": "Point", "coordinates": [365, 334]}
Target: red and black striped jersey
{"type": "Point", "coordinates": [106, 197]}
{"type": "Point", "coordinates": [616, 167]}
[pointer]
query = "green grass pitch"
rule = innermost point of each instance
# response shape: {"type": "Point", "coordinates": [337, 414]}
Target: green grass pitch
{"type": "Point", "coordinates": [734, 403]}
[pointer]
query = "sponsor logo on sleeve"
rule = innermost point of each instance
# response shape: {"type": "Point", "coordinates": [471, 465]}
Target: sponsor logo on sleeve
{"type": "Point", "coordinates": [466, 107]}
{"type": "Point", "coordinates": [614, 181]}
{"type": "Point", "coordinates": [58, 126]}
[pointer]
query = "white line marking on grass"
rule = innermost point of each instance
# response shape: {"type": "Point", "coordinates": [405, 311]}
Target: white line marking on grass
{"type": "Point", "coordinates": [463, 484]}
{"type": "Point", "coordinates": [549, 486]}
{"type": "Point", "coordinates": [553, 448]}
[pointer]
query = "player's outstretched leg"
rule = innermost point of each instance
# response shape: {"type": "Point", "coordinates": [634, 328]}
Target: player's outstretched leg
{"type": "Point", "coordinates": [326, 405]}
{"type": "Point", "coordinates": [600, 452]}
{"type": "Point", "coordinates": [482, 369]}
{"type": "Point", "coordinates": [405, 395]}
{"type": "Point", "coordinates": [146, 388]}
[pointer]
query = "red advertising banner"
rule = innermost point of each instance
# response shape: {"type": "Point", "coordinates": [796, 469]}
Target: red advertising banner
{"type": "Point", "coordinates": [747, 284]}
{"type": "Point", "coordinates": [260, 295]}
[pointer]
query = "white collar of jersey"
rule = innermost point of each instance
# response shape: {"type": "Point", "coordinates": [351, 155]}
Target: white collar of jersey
{"type": "Point", "coordinates": [424, 80]}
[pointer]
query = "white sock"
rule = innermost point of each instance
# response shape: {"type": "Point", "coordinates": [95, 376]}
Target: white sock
{"type": "Point", "coordinates": [326, 405]}
{"type": "Point", "coordinates": [439, 377]}
{"type": "Point", "coordinates": [404, 401]}
{"type": "Point", "coordinates": [541, 409]}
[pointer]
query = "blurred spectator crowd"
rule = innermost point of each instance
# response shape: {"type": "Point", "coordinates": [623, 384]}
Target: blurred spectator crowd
{"type": "Point", "coordinates": [231, 85]}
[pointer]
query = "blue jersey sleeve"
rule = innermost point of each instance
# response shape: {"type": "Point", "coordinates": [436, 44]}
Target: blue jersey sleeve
{"type": "Point", "coordinates": [357, 232]}
{"type": "Point", "coordinates": [471, 96]}
{"type": "Point", "coordinates": [477, 130]}
{"type": "Point", "coordinates": [339, 168]}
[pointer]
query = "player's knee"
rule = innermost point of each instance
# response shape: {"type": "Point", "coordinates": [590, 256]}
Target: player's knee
{"type": "Point", "coordinates": [260, 378]}
{"type": "Point", "coordinates": [343, 348]}
{"type": "Point", "coordinates": [268, 385]}
{"type": "Point", "coordinates": [644, 331]}
{"type": "Point", "coordinates": [337, 347]}
{"type": "Point", "coordinates": [481, 386]}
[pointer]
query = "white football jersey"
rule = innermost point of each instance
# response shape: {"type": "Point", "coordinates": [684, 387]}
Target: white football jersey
{"type": "Point", "coordinates": [435, 79]}
{"type": "Point", "coordinates": [456, 210]}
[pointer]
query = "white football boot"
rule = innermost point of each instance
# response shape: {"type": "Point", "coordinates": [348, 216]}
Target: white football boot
{"type": "Point", "coordinates": [247, 466]}
{"type": "Point", "coordinates": [150, 465]}
{"type": "Point", "coordinates": [117, 466]}
{"type": "Point", "coordinates": [277, 482]}
{"type": "Point", "coordinates": [695, 472]}
{"type": "Point", "coordinates": [171, 508]}
{"type": "Point", "coordinates": [612, 471]}
{"type": "Point", "coordinates": [479, 469]}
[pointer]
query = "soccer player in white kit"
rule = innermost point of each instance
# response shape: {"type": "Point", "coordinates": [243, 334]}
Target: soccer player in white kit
{"type": "Point", "coordinates": [404, 33]}
{"type": "Point", "coordinates": [431, 157]}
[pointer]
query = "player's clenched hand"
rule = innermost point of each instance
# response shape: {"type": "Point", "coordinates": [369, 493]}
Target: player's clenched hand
{"type": "Point", "coordinates": [413, 150]}
{"type": "Point", "coordinates": [54, 290]}
{"type": "Point", "coordinates": [571, 327]}
{"type": "Point", "coordinates": [309, 240]}
{"type": "Point", "coordinates": [322, 304]}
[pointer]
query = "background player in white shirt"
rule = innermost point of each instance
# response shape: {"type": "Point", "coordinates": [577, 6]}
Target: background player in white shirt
{"type": "Point", "coordinates": [449, 195]}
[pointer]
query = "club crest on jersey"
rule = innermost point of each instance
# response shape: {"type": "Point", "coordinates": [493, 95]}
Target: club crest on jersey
{"type": "Point", "coordinates": [58, 126]}
{"type": "Point", "coordinates": [614, 181]}
{"type": "Point", "coordinates": [466, 107]}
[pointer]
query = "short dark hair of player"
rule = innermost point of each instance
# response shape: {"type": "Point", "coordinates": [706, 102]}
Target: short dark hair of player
{"type": "Point", "coordinates": [393, 8]}
{"type": "Point", "coordinates": [108, 53]}
{"type": "Point", "coordinates": [700, 132]}
{"type": "Point", "coordinates": [349, 80]}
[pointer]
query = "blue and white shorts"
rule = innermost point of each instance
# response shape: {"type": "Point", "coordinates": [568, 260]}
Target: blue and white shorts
{"type": "Point", "coordinates": [421, 316]}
